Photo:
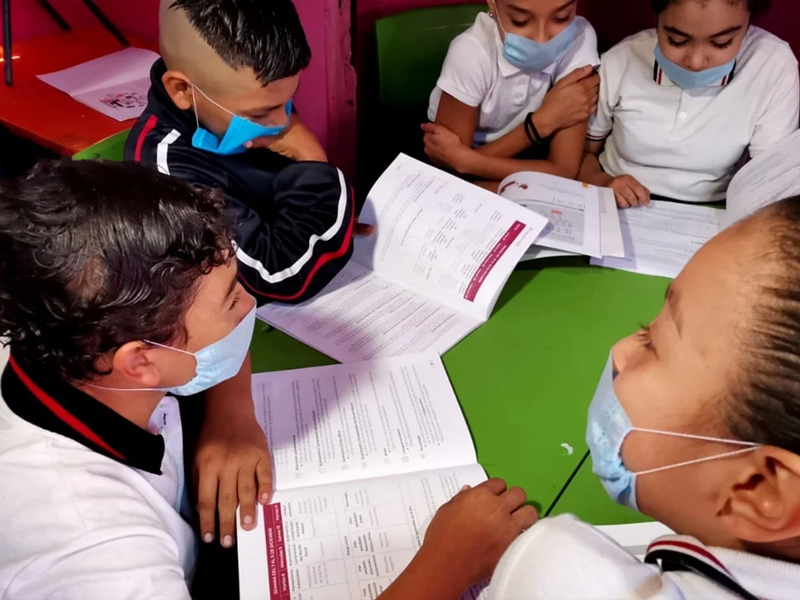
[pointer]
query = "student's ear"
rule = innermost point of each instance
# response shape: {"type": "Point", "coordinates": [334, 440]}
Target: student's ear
{"type": "Point", "coordinates": [179, 88]}
{"type": "Point", "coordinates": [133, 362]}
{"type": "Point", "coordinates": [763, 504]}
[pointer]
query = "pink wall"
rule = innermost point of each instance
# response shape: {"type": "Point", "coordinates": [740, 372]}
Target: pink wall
{"type": "Point", "coordinates": [326, 98]}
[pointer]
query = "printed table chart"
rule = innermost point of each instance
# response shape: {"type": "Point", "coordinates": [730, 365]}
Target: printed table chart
{"type": "Point", "coordinates": [526, 377]}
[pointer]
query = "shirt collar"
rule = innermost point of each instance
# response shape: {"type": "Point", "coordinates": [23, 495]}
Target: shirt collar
{"type": "Point", "coordinates": [661, 78]}
{"type": "Point", "coordinates": [53, 405]}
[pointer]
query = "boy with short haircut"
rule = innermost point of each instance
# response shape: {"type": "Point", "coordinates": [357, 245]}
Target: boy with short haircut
{"type": "Point", "coordinates": [103, 322]}
{"type": "Point", "coordinates": [220, 115]}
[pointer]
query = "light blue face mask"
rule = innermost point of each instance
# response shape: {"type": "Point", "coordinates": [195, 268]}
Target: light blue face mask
{"type": "Point", "coordinates": [528, 55]}
{"type": "Point", "coordinates": [606, 430]}
{"type": "Point", "coordinates": [689, 80]}
{"type": "Point", "coordinates": [239, 132]}
{"type": "Point", "coordinates": [216, 363]}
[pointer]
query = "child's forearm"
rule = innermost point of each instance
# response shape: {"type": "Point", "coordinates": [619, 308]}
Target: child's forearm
{"type": "Point", "coordinates": [592, 173]}
{"type": "Point", "coordinates": [516, 140]}
{"type": "Point", "coordinates": [496, 168]}
{"type": "Point", "coordinates": [427, 577]}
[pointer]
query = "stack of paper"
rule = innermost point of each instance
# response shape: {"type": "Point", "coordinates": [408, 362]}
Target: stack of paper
{"type": "Point", "coordinates": [431, 274]}
{"type": "Point", "coordinates": [661, 238]}
{"type": "Point", "coordinates": [582, 219]}
{"type": "Point", "coordinates": [115, 85]}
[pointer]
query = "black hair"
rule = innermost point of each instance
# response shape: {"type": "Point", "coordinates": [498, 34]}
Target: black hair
{"type": "Point", "coordinates": [265, 35]}
{"type": "Point", "coordinates": [97, 254]}
{"type": "Point", "coordinates": [766, 407]}
{"type": "Point", "coordinates": [755, 7]}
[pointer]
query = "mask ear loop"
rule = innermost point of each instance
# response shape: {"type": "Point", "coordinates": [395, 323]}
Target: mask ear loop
{"type": "Point", "coordinates": [751, 446]}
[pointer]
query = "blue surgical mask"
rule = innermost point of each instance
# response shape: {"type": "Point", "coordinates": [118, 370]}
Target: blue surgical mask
{"type": "Point", "coordinates": [689, 80]}
{"type": "Point", "coordinates": [528, 55]}
{"type": "Point", "coordinates": [216, 363]}
{"type": "Point", "coordinates": [606, 430]}
{"type": "Point", "coordinates": [239, 132]}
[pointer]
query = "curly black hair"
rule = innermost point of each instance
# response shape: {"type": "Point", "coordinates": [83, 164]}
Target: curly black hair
{"type": "Point", "coordinates": [755, 7]}
{"type": "Point", "coordinates": [265, 35]}
{"type": "Point", "coordinates": [97, 254]}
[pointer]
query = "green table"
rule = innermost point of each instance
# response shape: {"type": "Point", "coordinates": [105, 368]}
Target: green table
{"type": "Point", "coordinates": [525, 378]}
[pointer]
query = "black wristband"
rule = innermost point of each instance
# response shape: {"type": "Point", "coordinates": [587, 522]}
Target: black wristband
{"type": "Point", "coordinates": [531, 131]}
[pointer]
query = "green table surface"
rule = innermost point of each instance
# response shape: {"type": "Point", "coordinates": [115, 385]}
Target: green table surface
{"type": "Point", "coordinates": [525, 378]}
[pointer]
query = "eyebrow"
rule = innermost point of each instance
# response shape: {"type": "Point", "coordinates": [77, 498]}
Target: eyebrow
{"type": "Point", "coordinates": [672, 299]}
{"type": "Point", "coordinates": [728, 31]}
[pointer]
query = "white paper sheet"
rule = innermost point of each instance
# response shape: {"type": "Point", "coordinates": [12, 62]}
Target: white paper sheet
{"type": "Point", "coordinates": [344, 422]}
{"type": "Point", "coordinates": [571, 208]}
{"type": "Point", "coordinates": [115, 85]}
{"type": "Point", "coordinates": [430, 275]}
{"type": "Point", "coordinates": [347, 540]}
{"type": "Point", "coordinates": [362, 316]}
{"type": "Point", "coordinates": [661, 238]}
{"type": "Point", "coordinates": [611, 243]}
{"type": "Point", "coordinates": [771, 176]}
{"type": "Point", "coordinates": [636, 537]}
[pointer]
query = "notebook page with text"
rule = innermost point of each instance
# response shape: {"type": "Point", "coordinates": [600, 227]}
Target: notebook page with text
{"type": "Point", "coordinates": [771, 176]}
{"type": "Point", "coordinates": [362, 316]}
{"type": "Point", "coordinates": [661, 238]}
{"type": "Point", "coordinates": [344, 422]}
{"type": "Point", "coordinates": [571, 208]}
{"type": "Point", "coordinates": [440, 235]}
{"type": "Point", "coordinates": [346, 540]}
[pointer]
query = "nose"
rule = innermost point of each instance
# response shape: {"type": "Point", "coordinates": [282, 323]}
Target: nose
{"type": "Point", "coordinates": [695, 61]}
{"type": "Point", "coordinates": [622, 352]}
{"type": "Point", "coordinates": [541, 35]}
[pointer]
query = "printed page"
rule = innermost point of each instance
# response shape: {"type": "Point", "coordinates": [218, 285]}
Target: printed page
{"type": "Point", "coordinates": [348, 540]}
{"type": "Point", "coordinates": [611, 243]}
{"type": "Point", "coordinates": [441, 236]}
{"type": "Point", "coordinates": [361, 316]}
{"type": "Point", "coordinates": [571, 208]}
{"type": "Point", "coordinates": [344, 422]}
{"type": "Point", "coordinates": [771, 176]}
{"type": "Point", "coordinates": [636, 537]}
{"type": "Point", "coordinates": [661, 238]}
{"type": "Point", "coordinates": [537, 252]}
{"type": "Point", "coordinates": [121, 101]}
{"type": "Point", "coordinates": [116, 69]}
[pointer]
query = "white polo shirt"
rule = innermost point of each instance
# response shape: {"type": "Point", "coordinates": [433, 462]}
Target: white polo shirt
{"type": "Point", "coordinates": [476, 73]}
{"type": "Point", "coordinates": [78, 524]}
{"type": "Point", "coordinates": [682, 144]}
{"type": "Point", "coordinates": [562, 557]}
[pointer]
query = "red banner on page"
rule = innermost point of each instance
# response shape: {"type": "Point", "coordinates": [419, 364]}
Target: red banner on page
{"type": "Point", "coordinates": [491, 259]}
{"type": "Point", "coordinates": [276, 553]}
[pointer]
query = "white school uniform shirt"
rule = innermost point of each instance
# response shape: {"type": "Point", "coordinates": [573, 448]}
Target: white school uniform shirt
{"type": "Point", "coordinates": [476, 73]}
{"type": "Point", "coordinates": [685, 144]}
{"type": "Point", "coordinates": [80, 525]}
{"type": "Point", "coordinates": [564, 558]}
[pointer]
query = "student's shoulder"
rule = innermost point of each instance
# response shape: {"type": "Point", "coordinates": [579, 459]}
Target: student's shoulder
{"type": "Point", "coordinates": [638, 47]}
{"type": "Point", "coordinates": [543, 561]}
{"type": "Point", "coordinates": [478, 43]}
{"type": "Point", "coordinates": [764, 51]}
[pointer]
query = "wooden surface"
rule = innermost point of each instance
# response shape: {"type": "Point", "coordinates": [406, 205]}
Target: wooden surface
{"type": "Point", "coordinates": [36, 111]}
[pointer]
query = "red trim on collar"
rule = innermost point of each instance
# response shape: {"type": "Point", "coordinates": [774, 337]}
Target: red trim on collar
{"type": "Point", "coordinates": [60, 412]}
{"type": "Point", "coordinates": [666, 543]}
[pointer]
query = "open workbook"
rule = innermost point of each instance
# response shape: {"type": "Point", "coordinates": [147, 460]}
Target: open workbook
{"type": "Point", "coordinates": [431, 274]}
{"type": "Point", "coordinates": [660, 239]}
{"type": "Point", "coordinates": [364, 454]}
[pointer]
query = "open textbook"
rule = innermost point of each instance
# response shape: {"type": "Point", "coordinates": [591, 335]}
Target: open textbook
{"type": "Point", "coordinates": [661, 238]}
{"type": "Point", "coordinates": [115, 85]}
{"type": "Point", "coordinates": [582, 219]}
{"type": "Point", "coordinates": [364, 454]}
{"type": "Point", "coordinates": [431, 274]}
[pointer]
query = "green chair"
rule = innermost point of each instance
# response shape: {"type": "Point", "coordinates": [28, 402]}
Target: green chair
{"type": "Point", "coordinates": [110, 148]}
{"type": "Point", "coordinates": [411, 47]}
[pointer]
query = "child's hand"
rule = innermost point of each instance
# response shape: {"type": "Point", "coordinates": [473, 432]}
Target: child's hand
{"type": "Point", "coordinates": [571, 101]}
{"type": "Point", "coordinates": [445, 148]}
{"type": "Point", "coordinates": [472, 531]}
{"type": "Point", "coordinates": [629, 192]}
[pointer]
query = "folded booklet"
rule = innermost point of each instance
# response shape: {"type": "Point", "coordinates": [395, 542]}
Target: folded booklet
{"type": "Point", "coordinates": [661, 238]}
{"type": "Point", "coordinates": [431, 274]}
{"type": "Point", "coordinates": [364, 454]}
